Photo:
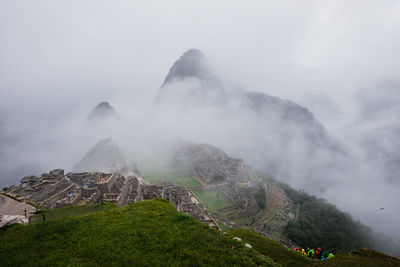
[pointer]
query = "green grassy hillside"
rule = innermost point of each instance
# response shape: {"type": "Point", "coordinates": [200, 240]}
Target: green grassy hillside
{"type": "Point", "coordinates": [361, 257]}
{"type": "Point", "coordinates": [272, 249]}
{"type": "Point", "coordinates": [149, 233]}
{"type": "Point", "coordinates": [61, 213]}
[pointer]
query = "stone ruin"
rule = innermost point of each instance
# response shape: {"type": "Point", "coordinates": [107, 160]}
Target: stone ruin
{"type": "Point", "coordinates": [186, 202]}
{"type": "Point", "coordinates": [54, 190]}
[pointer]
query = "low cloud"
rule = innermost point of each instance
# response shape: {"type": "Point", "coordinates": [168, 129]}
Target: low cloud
{"type": "Point", "coordinates": [340, 60]}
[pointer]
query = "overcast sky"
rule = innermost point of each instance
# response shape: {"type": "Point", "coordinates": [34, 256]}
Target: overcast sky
{"type": "Point", "coordinates": [78, 49]}
{"type": "Point", "coordinates": [60, 58]}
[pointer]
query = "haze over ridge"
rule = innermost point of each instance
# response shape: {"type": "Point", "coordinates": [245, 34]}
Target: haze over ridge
{"type": "Point", "coordinates": [334, 61]}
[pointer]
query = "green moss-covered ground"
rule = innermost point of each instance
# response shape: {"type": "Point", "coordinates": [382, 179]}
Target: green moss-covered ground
{"type": "Point", "coordinates": [149, 233]}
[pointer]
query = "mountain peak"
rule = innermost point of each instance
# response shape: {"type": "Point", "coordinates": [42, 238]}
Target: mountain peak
{"type": "Point", "coordinates": [191, 64]}
{"type": "Point", "coordinates": [105, 156]}
{"type": "Point", "coordinates": [102, 110]}
{"type": "Point", "coordinates": [190, 81]}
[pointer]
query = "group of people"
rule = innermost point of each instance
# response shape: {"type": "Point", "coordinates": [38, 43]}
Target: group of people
{"type": "Point", "coordinates": [315, 253]}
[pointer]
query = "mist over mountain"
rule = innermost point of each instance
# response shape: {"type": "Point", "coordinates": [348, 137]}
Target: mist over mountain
{"type": "Point", "coordinates": [275, 135]}
{"type": "Point", "coordinates": [305, 92]}
{"type": "Point", "coordinates": [106, 157]}
{"type": "Point", "coordinates": [102, 111]}
{"type": "Point", "coordinates": [191, 82]}
{"type": "Point", "coordinates": [379, 119]}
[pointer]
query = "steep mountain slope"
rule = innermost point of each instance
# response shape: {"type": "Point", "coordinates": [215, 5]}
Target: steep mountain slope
{"type": "Point", "coordinates": [150, 233]}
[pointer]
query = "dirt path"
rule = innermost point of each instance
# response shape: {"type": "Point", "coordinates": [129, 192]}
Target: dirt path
{"type": "Point", "coordinates": [9, 206]}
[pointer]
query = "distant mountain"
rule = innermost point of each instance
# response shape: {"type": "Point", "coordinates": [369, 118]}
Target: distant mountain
{"type": "Point", "coordinates": [275, 135]}
{"type": "Point", "coordinates": [102, 111]}
{"type": "Point", "coordinates": [105, 156]}
{"type": "Point", "coordinates": [269, 107]}
{"type": "Point", "coordinates": [190, 81]}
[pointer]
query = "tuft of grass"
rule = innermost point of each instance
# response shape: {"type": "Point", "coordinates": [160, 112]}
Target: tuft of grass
{"type": "Point", "coordinates": [148, 233]}
{"type": "Point", "coordinates": [272, 249]}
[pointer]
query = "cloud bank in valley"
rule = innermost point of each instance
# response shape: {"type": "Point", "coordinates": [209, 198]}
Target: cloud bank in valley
{"type": "Point", "coordinates": [339, 59]}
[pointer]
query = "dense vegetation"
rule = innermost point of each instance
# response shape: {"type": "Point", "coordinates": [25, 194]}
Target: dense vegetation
{"type": "Point", "coordinates": [149, 233]}
{"type": "Point", "coordinates": [320, 224]}
{"type": "Point", "coordinates": [272, 249]}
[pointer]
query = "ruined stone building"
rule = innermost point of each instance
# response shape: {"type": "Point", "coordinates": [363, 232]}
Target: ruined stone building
{"type": "Point", "coordinates": [54, 190]}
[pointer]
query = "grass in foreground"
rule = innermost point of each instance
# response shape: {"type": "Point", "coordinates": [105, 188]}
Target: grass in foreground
{"type": "Point", "coordinates": [213, 200]}
{"type": "Point", "coordinates": [61, 213]}
{"type": "Point", "coordinates": [361, 257]}
{"type": "Point", "coordinates": [272, 249]}
{"type": "Point", "coordinates": [149, 233]}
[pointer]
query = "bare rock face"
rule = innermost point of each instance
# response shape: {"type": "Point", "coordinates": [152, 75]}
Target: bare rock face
{"type": "Point", "coordinates": [107, 157]}
{"type": "Point", "coordinates": [190, 81]}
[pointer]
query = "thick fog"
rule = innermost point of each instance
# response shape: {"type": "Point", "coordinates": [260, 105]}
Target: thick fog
{"type": "Point", "coordinates": [339, 59]}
